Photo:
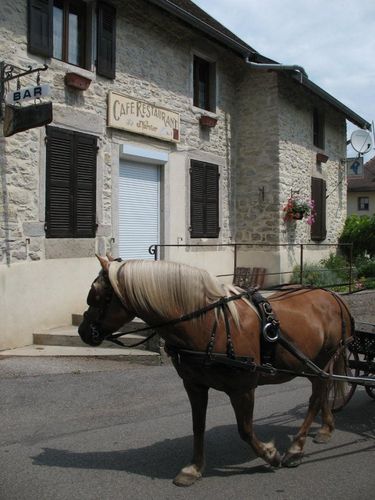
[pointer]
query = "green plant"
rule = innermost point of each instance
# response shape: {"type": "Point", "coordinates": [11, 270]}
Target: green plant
{"type": "Point", "coordinates": [298, 208]}
{"type": "Point", "coordinates": [359, 231]}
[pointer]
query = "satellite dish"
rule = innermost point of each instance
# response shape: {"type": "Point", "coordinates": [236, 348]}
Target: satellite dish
{"type": "Point", "coordinates": [361, 141]}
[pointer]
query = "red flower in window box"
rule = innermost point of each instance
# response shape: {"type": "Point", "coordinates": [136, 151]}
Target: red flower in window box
{"type": "Point", "coordinates": [207, 121]}
{"type": "Point", "coordinates": [77, 81]}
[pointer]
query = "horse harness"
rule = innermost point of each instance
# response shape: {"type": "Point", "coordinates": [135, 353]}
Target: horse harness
{"type": "Point", "coordinates": [270, 335]}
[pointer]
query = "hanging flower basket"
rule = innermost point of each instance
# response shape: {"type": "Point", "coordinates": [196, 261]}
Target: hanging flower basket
{"type": "Point", "coordinates": [297, 208]}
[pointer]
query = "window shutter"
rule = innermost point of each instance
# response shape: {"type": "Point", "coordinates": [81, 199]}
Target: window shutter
{"type": "Point", "coordinates": [204, 200]}
{"type": "Point", "coordinates": [197, 188]}
{"type": "Point", "coordinates": [212, 201]}
{"type": "Point", "coordinates": [85, 186]}
{"type": "Point", "coordinates": [40, 14]}
{"type": "Point", "coordinates": [318, 194]}
{"type": "Point", "coordinates": [106, 53]}
{"type": "Point", "coordinates": [59, 194]}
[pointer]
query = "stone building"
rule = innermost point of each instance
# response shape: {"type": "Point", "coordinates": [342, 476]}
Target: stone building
{"type": "Point", "coordinates": [167, 129]}
{"type": "Point", "coordinates": [361, 187]}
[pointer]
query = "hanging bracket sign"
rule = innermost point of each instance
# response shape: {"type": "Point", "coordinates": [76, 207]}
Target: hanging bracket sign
{"type": "Point", "coordinates": [28, 93]}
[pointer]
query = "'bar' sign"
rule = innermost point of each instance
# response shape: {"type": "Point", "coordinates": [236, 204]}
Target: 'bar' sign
{"type": "Point", "coordinates": [28, 93]}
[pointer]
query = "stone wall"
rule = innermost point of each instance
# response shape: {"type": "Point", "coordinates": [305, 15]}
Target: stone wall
{"type": "Point", "coordinates": [298, 159]}
{"type": "Point", "coordinates": [154, 63]}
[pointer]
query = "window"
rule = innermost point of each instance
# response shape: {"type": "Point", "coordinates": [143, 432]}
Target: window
{"type": "Point", "coordinates": [363, 203]}
{"type": "Point", "coordinates": [204, 200]}
{"type": "Point", "coordinates": [69, 31]}
{"type": "Point", "coordinates": [62, 29]}
{"type": "Point", "coordinates": [318, 128]}
{"type": "Point", "coordinates": [204, 84]}
{"type": "Point", "coordinates": [70, 184]}
{"type": "Point", "coordinates": [318, 194]}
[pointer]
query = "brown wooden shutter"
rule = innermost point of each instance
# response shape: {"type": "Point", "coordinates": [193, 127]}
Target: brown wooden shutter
{"type": "Point", "coordinates": [212, 201]}
{"type": "Point", "coordinates": [59, 189]}
{"type": "Point", "coordinates": [40, 15]}
{"type": "Point", "coordinates": [204, 198]}
{"type": "Point", "coordinates": [70, 184]}
{"type": "Point", "coordinates": [85, 186]}
{"type": "Point", "coordinates": [318, 194]}
{"type": "Point", "coordinates": [197, 188]}
{"type": "Point", "coordinates": [106, 44]}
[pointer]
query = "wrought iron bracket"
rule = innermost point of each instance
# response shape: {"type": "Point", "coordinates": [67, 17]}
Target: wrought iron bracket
{"type": "Point", "coordinates": [10, 72]}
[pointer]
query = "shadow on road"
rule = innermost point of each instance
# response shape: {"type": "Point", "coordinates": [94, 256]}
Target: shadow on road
{"type": "Point", "coordinates": [227, 455]}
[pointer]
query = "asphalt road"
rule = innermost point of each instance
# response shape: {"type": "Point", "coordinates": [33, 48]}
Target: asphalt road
{"type": "Point", "coordinates": [98, 430]}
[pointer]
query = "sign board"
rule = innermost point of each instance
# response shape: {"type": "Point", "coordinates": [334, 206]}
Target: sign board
{"type": "Point", "coordinates": [355, 167]}
{"type": "Point", "coordinates": [28, 93]}
{"type": "Point", "coordinates": [20, 118]}
{"type": "Point", "coordinates": [142, 117]}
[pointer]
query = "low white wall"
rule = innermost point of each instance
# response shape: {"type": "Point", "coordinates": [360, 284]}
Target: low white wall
{"type": "Point", "coordinates": [41, 295]}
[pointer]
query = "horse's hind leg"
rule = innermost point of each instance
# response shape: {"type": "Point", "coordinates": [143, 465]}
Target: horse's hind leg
{"type": "Point", "coordinates": [328, 424]}
{"type": "Point", "coordinates": [243, 405]}
{"type": "Point", "coordinates": [318, 400]}
{"type": "Point", "coordinates": [198, 396]}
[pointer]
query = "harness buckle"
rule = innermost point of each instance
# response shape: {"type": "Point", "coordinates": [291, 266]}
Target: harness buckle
{"type": "Point", "coordinates": [270, 327]}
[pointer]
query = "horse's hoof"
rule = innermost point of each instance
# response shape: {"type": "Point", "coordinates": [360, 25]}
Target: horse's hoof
{"type": "Point", "coordinates": [292, 459]}
{"type": "Point", "coordinates": [321, 438]}
{"type": "Point", "coordinates": [275, 460]}
{"type": "Point", "coordinates": [187, 476]}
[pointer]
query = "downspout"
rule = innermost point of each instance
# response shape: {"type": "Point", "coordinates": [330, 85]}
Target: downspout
{"type": "Point", "coordinates": [277, 67]}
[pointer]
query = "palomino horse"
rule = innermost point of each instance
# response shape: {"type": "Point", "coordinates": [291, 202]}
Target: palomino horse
{"type": "Point", "coordinates": [316, 321]}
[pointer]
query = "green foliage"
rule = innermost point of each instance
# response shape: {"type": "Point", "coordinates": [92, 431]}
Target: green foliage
{"type": "Point", "coordinates": [360, 231]}
{"type": "Point", "coordinates": [317, 275]}
{"type": "Point", "coordinates": [365, 267]}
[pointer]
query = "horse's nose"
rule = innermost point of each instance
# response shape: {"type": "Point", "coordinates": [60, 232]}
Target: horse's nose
{"type": "Point", "coordinates": [88, 334]}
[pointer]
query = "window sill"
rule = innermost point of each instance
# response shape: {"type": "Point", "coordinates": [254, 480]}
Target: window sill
{"type": "Point", "coordinates": [199, 112]}
{"type": "Point", "coordinates": [71, 68]}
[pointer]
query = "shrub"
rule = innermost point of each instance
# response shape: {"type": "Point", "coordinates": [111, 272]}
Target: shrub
{"type": "Point", "coordinates": [360, 231]}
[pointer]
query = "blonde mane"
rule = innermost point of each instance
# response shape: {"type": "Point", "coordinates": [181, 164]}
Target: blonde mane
{"type": "Point", "coordinates": [168, 289]}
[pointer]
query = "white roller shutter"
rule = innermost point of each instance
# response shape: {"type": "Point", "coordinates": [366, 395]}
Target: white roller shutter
{"type": "Point", "coordinates": [139, 209]}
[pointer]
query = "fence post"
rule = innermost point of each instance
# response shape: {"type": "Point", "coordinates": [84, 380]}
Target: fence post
{"type": "Point", "coordinates": [301, 265]}
{"type": "Point", "coordinates": [350, 267]}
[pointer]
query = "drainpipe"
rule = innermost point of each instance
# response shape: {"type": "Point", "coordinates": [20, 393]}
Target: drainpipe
{"type": "Point", "coordinates": [277, 67]}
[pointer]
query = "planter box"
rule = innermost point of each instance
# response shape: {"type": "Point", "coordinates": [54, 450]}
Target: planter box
{"type": "Point", "coordinates": [207, 121]}
{"type": "Point", "coordinates": [76, 81]}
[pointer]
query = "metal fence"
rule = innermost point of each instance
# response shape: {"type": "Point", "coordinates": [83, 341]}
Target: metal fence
{"type": "Point", "coordinates": [298, 274]}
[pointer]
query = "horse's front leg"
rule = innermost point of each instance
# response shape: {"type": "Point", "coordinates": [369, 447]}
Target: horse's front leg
{"type": "Point", "coordinates": [198, 396]}
{"type": "Point", "coordinates": [243, 405]}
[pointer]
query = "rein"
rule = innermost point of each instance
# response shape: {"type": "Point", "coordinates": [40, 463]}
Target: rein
{"type": "Point", "coordinates": [221, 303]}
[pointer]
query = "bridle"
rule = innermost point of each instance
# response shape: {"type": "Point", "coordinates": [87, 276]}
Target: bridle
{"type": "Point", "coordinates": [98, 309]}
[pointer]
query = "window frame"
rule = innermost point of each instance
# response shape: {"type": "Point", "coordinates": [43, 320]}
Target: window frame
{"type": "Point", "coordinates": [204, 200]}
{"type": "Point", "coordinates": [363, 206]}
{"type": "Point", "coordinates": [207, 69]}
{"type": "Point", "coordinates": [98, 48]}
{"type": "Point", "coordinates": [81, 11]}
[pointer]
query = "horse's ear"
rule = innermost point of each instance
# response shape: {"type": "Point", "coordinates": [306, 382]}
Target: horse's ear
{"type": "Point", "coordinates": [103, 262]}
{"type": "Point", "coordinates": [109, 257]}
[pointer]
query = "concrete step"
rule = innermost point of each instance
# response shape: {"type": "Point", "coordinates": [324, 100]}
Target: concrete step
{"type": "Point", "coordinates": [68, 336]}
{"type": "Point", "coordinates": [132, 355]}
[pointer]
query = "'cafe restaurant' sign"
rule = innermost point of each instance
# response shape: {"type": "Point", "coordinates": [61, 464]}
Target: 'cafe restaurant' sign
{"type": "Point", "coordinates": [142, 118]}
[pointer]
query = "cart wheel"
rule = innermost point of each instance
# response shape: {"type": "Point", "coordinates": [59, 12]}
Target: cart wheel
{"type": "Point", "coordinates": [339, 400]}
{"type": "Point", "coordinates": [370, 389]}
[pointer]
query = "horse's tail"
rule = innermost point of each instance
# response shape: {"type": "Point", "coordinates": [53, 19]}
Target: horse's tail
{"type": "Point", "coordinates": [340, 390]}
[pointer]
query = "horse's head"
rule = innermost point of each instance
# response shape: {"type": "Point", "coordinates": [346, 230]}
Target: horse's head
{"type": "Point", "coordinates": [106, 313]}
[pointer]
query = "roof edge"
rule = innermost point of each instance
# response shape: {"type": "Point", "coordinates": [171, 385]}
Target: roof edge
{"type": "Point", "coordinates": [242, 49]}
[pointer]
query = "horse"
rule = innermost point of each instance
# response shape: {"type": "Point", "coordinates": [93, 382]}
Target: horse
{"type": "Point", "coordinates": [315, 321]}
